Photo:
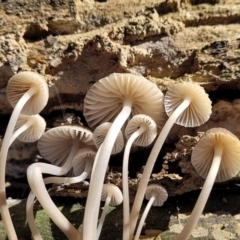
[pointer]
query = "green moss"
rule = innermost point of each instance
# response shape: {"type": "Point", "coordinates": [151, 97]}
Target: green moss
{"type": "Point", "coordinates": [72, 210]}
{"type": "Point", "coordinates": [168, 236]}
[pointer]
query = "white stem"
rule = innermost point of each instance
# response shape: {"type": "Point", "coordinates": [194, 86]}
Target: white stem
{"type": "Point", "coordinates": [34, 174]}
{"type": "Point", "coordinates": [7, 221]}
{"type": "Point", "coordinates": [203, 197]}
{"type": "Point", "coordinates": [143, 218]}
{"type": "Point", "coordinates": [97, 179]}
{"type": "Point", "coordinates": [96, 159]}
{"type": "Point", "coordinates": [126, 207]}
{"type": "Point", "coordinates": [71, 180]}
{"type": "Point", "coordinates": [31, 197]}
{"type": "Point", "coordinates": [103, 215]}
{"type": "Point", "coordinates": [150, 164]}
{"type": "Point", "coordinates": [20, 130]}
{"type": "Point", "coordinates": [30, 217]}
{"type": "Point", "coordinates": [50, 208]}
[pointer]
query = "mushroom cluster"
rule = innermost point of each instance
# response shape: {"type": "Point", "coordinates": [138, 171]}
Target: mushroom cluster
{"type": "Point", "coordinates": [121, 110]}
{"type": "Point", "coordinates": [27, 92]}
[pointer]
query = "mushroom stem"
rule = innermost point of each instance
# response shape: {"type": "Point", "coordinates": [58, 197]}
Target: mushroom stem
{"type": "Point", "coordinates": [97, 179]}
{"type": "Point", "coordinates": [143, 218]}
{"type": "Point", "coordinates": [7, 221]}
{"type": "Point", "coordinates": [96, 159]}
{"type": "Point", "coordinates": [30, 217]}
{"type": "Point", "coordinates": [126, 211]}
{"type": "Point", "coordinates": [203, 197]}
{"type": "Point", "coordinates": [20, 130]}
{"type": "Point", "coordinates": [61, 221]}
{"type": "Point", "coordinates": [36, 182]}
{"type": "Point", "coordinates": [150, 164]}
{"type": "Point", "coordinates": [103, 215]}
{"type": "Point", "coordinates": [59, 180]}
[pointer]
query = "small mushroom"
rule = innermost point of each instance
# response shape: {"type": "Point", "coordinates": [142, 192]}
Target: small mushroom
{"type": "Point", "coordinates": [100, 133]}
{"type": "Point", "coordinates": [83, 162]}
{"type": "Point", "coordinates": [59, 144]}
{"type": "Point", "coordinates": [112, 196]}
{"type": "Point", "coordinates": [114, 99]}
{"type": "Point", "coordinates": [156, 195]}
{"type": "Point", "coordinates": [27, 92]}
{"type": "Point", "coordinates": [29, 128]}
{"type": "Point", "coordinates": [216, 157]}
{"type": "Point", "coordinates": [141, 130]}
{"type": "Point", "coordinates": [186, 104]}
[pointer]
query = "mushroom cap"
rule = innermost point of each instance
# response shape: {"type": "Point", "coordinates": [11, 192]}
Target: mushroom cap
{"type": "Point", "coordinates": [35, 131]}
{"type": "Point", "coordinates": [100, 133]}
{"type": "Point", "coordinates": [21, 83]}
{"type": "Point", "coordinates": [203, 153]}
{"type": "Point", "coordinates": [200, 108]}
{"type": "Point", "coordinates": [159, 192]}
{"type": "Point", "coordinates": [104, 100]}
{"type": "Point", "coordinates": [113, 191]}
{"type": "Point", "coordinates": [55, 144]}
{"type": "Point", "coordinates": [147, 137]}
{"type": "Point", "coordinates": [81, 157]}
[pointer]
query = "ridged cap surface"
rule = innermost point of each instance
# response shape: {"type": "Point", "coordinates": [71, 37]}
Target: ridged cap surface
{"type": "Point", "coordinates": [203, 153]}
{"type": "Point", "coordinates": [200, 108]}
{"type": "Point", "coordinates": [20, 84]}
{"type": "Point", "coordinates": [104, 100]}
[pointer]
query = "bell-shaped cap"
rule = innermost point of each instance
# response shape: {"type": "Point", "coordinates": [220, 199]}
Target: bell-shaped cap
{"type": "Point", "coordinates": [20, 84]}
{"type": "Point", "coordinates": [203, 153]}
{"type": "Point", "coordinates": [34, 131]}
{"type": "Point", "coordinates": [100, 133]}
{"type": "Point", "coordinates": [147, 137]}
{"type": "Point", "coordinates": [158, 192]}
{"type": "Point", "coordinates": [104, 100]}
{"type": "Point", "coordinates": [81, 157]}
{"type": "Point", "coordinates": [56, 143]}
{"type": "Point", "coordinates": [111, 190]}
{"type": "Point", "coordinates": [200, 108]}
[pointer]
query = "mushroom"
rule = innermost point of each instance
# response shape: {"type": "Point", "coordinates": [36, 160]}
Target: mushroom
{"type": "Point", "coordinates": [58, 145]}
{"type": "Point", "coordinates": [29, 128]}
{"type": "Point", "coordinates": [27, 92]}
{"type": "Point", "coordinates": [156, 195]}
{"type": "Point", "coordinates": [59, 142]}
{"type": "Point", "coordinates": [112, 196]}
{"type": "Point", "coordinates": [186, 104]}
{"type": "Point", "coordinates": [115, 99]}
{"type": "Point", "coordinates": [216, 157]}
{"type": "Point", "coordinates": [83, 162]}
{"type": "Point", "coordinates": [100, 133]}
{"type": "Point", "coordinates": [82, 166]}
{"type": "Point", "coordinates": [141, 130]}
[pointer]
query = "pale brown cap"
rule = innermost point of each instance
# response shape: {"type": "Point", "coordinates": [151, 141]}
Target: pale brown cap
{"type": "Point", "coordinates": [200, 108]}
{"type": "Point", "coordinates": [100, 133]}
{"type": "Point", "coordinates": [81, 157]}
{"type": "Point", "coordinates": [21, 83]}
{"type": "Point", "coordinates": [114, 192]}
{"type": "Point", "coordinates": [147, 137]}
{"type": "Point", "coordinates": [158, 192]}
{"type": "Point", "coordinates": [35, 131]}
{"type": "Point", "coordinates": [104, 100]}
{"type": "Point", "coordinates": [203, 153]}
{"type": "Point", "coordinates": [55, 144]}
